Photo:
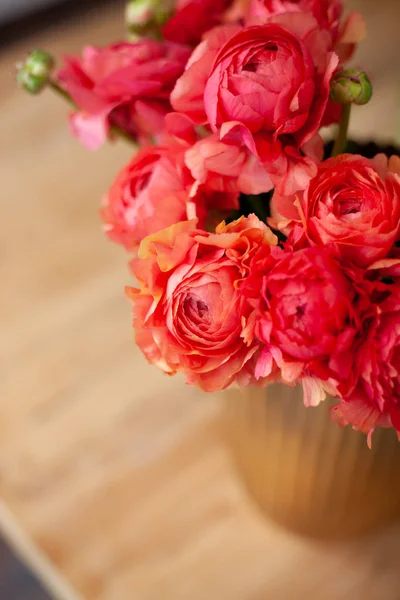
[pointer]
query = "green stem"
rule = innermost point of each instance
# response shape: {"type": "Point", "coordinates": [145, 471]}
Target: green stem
{"type": "Point", "coordinates": [114, 129]}
{"type": "Point", "coordinates": [341, 140]}
{"type": "Point", "coordinates": [151, 31]}
{"type": "Point", "coordinates": [58, 90]}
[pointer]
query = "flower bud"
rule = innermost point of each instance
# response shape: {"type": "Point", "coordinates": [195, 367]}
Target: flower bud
{"type": "Point", "coordinates": [351, 86]}
{"type": "Point", "coordinates": [30, 83]}
{"type": "Point", "coordinates": [40, 63]}
{"type": "Point", "coordinates": [139, 13]}
{"type": "Point", "coordinates": [33, 75]}
{"type": "Point", "coordinates": [146, 16]}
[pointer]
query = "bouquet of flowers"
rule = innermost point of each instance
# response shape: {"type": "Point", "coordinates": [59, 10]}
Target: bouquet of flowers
{"type": "Point", "coordinates": [259, 257]}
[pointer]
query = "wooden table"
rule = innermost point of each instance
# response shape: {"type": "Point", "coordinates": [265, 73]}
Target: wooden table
{"type": "Point", "coordinates": [114, 479]}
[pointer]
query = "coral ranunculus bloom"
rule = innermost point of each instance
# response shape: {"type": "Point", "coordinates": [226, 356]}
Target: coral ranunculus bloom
{"type": "Point", "coordinates": [355, 203]}
{"type": "Point", "coordinates": [352, 202]}
{"type": "Point", "coordinates": [188, 95]}
{"type": "Point", "coordinates": [155, 190]}
{"type": "Point", "coordinates": [150, 193]}
{"type": "Point", "coordinates": [189, 315]}
{"type": "Point", "coordinates": [226, 167]}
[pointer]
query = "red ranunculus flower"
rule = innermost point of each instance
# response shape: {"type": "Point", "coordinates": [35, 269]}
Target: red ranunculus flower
{"type": "Point", "coordinates": [308, 317]}
{"type": "Point", "coordinates": [344, 37]}
{"type": "Point", "coordinates": [189, 315]}
{"type": "Point", "coordinates": [376, 398]}
{"type": "Point", "coordinates": [193, 18]}
{"type": "Point", "coordinates": [269, 89]}
{"type": "Point", "coordinates": [127, 85]}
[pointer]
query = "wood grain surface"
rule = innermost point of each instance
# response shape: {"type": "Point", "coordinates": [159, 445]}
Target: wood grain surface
{"type": "Point", "coordinates": [117, 473]}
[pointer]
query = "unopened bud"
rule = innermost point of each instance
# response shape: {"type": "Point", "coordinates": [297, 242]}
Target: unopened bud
{"type": "Point", "coordinates": [33, 75]}
{"type": "Point", "coordinates": [145, 17]}
{"type": "Point", "coordinates": [139, 12]}
{"type": "Point", "coordinates": [40, 63]}
{"type": "Point", "coordinates": [351, 86]}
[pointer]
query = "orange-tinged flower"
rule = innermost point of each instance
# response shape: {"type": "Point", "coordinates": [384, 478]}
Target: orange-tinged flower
{"type": "Point", "coordinates": [352, 202]}
{"type": "Point", "coordinates": [189, 315]}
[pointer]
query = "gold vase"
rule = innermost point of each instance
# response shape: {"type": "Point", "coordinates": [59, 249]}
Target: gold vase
{"type": "Point", "coordinates": [305, 472]}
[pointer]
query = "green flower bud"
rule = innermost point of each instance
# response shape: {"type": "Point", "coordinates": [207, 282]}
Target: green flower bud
{"type": "Point", "coordinates": [145, 17]}
{"type": "Point", "coordinates": [33, 75]}
{"type": "Point", "coordinates": [40, 63]}
{"type": "Point", "coordinates": [30, 83]}
{"type": "Point", "coordinates": [139, 12]}
{"type": "Point", "coordinates": [351, 86]}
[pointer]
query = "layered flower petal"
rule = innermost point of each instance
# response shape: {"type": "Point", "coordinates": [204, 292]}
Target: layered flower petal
{"type": "Point", "coordinates": [193, 18]}
{"type": "Point", "coordinates": [189, 315]}
{"type": "Point", "coordinates": [127, 85]}
{"type": "Point", "coordinates": [352, 202]}
{"type": "Point", "coordinates": [155, 190]}
{"type": "Point", "coordinates": [268, 90]}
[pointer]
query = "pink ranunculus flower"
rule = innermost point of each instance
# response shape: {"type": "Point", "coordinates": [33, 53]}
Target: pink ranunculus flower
{"type": "Point", "coordinates": [155, 190]}
{"type": "Point", "coordinates": [189, 315]}
{"type": "Point", "coordinates": [269, 89]}
{"type": "Point", "coordinates": [327, 12]}
{"type": "Point", "coordinates": [188, 95]}
{"type": "Point", "coordinates": [375, 401]}
{"type": "Point", "coordinates": [193, 18]}
{"type": "Point", "coordinates": [226, 167]}
{"type": "Point", "coordinates": [307, 316]}
{"type": "Point", "coordinates": [344, 36]}
{"type": "Point", "coordinates": [352, 202]}
{"type": "Point", "coordinates": [126, 85]}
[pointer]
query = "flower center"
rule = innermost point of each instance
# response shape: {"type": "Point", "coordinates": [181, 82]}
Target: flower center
{"type": "Point", "coordinates": [299, 322]}
{"type": "Point", "coordinates": [141, 183]}
{"type": "Point", "coordinates": [261, 64]}
{"type": "Point", "coordinates": [348, 204]}
{"type": "Point", "coordinates": [197, 310]}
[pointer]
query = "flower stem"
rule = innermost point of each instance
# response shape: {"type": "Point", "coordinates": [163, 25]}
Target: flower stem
{"type": "Point", "coordinates": [58, 90]}
{"type": "Point", "coordinates": [341, 140]}
{"type": "Point", "coordinates": [117, 131]}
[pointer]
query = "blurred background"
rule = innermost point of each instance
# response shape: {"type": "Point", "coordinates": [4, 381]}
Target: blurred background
{"type": "Point", "coordinates": [15, 9]}
{"type": "Point", "coordinates": [115, 483]}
